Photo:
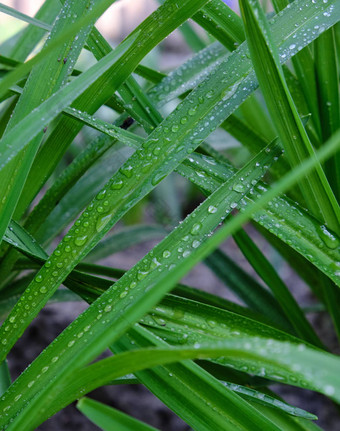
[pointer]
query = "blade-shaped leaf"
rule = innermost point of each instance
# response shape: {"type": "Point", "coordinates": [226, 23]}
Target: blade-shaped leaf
{"type": "Point", "coordinates": [109, 418]}
{"type": "Point", "coordinates": [315, 187]}
{"type": "Point", "coordinates": [184, 240]}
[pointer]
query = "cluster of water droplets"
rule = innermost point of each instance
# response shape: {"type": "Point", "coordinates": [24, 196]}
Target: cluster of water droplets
{"type": "Point", "coordinates": [189, 75]}
{"type": "Point", "coordinates": [308, 29]}
{"type": "Point", "coordinates": [299, 230]}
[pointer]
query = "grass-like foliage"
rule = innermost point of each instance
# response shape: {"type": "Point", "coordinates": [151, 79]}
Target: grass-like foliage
{"type": "Point", "coordinates": [88, 144]}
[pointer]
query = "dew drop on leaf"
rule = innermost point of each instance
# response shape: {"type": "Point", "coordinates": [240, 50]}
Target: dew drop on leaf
{"type": "Point", "coordinates": [239, 188]}
{"type": "Point", "coordinates": [327, 237]}
{"type": "Point", "coordinates": [196, 228]}
{"type": "Point", "coordinates": [102, 222]}
{"type": "Point", "coordinates": [80, 240]}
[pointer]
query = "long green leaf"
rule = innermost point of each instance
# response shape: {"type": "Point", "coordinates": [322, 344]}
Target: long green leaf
{"type": "Point", "coordinates": [55, 72]}
{"type": "Point", "coordinates": [248, 290]}
{"type": "Point", "coordinates": [183, 241]}
{"type": "Point", "coordinates": [329, 103]}
{"type": "Point", "coordinates": [296, 360]}
{"type": "Point", "coordinates": [281, 292]}
{"type": "Point", "coordinates": [169, 16]}
{"type": "Point", "coordinates": [281, 217]}
{"type": "Point", "coordinates": [109, 418]}
{"type": "Point", "coordinates": [181, 268]}
{"type": "Point", "coordinates": [31, 36]}
{"type": "Point", "coordinates": [188, 384]}
{"type": "Point", "coordinates": [286, 34]}
{"type": "Point", "coordinates": [315, 187]}
{"type": "Point", "coordinates": [16, 14]}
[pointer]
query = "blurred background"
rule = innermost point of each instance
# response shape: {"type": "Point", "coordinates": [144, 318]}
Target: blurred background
{"type": "Point", "coordinates": [118, 21]}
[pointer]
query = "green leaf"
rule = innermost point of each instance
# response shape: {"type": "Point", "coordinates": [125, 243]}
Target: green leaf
{"type": "Point", "coordinates": [188, 377]}
{"type": "Point", "coordinates": [14, 169]}
{"type": "Point", "coordinates": [192, 38]}
{"type": "Point", "coordinates": [21, 16]}
{"type": "Point", "coordinates": [246, 288]}
{"type": "Point", "coordinates": [281, 292]}
{"type": "Point", "coordinates": [46, 159]}
{"type": "Point", "coordinates": [267, 400]}
{"type": "Point", "coordinates": [222, 22]}
{"type": "Point", "coordinates": [265, 57]}
{"type": "Point", "coordinates": [69, 33]}
{"type": "Point", "coordinates": [327, 77]}
{"type": "Point", "coordinates": [139, 289]}
{"type": "Point", "coordinates": [109, 418]}
{"type": "Point", "coordinates": [295, 360]}
{"type": "Point", "coordinates": [183, 241]}
{"type": "Point", "coordinates": [5, 378]}
{"type": "Point", "coordinates": [31, 36]}
{"type": "Point", "coordinates": [211, 243]}
{"type": "Point", "coordinates": [61, 295]}
{"type": "Point", "coordinates": [21, 239]}
{"type": "Point", "coordinates": [124, 239]}
{"type": "Point", "coordinates": [169, 16]}
{"type": "Point", "coordinates": [281, 217]}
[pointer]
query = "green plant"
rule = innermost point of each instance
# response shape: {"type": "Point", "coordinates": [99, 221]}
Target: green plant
{"type": "Point", "coordinates": [210, 360]}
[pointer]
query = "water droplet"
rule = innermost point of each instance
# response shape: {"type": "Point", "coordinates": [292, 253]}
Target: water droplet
{"type": "Point", "coordinates": [38, 278]}
{"type": "Point", "coordinates": [102, 222]}
{"type": "Point", "coordinates": [101, 195]}
{"type": "Point", "coordinates": [327, 237]}
{"type": "Point", "coordinates": [192, 110]}
{"type": "Point", "coordinates": [80, 240]}
{"type": "Point", "coordinates": [196, 228]}
{"type": "Point", "coordinates": [127, 171]}
{"type": "Point", "coordinates": [142, 274]}
{"type": "Point", "coordinates": [211, 323]}
{"type": "Point", "coordinates": [212, 209]}
{"type": "Point", "coordinates": [157, 179]}
{"type": "Point", "coordinates": [43, 289]}
{"type": "Point", "coordinates": [155, 263]}
{"type": "Point", "coordinates": [108, 308]}
{"type": "Point", "coordinates": [196, 243]}
{"type": "Point", "coordinates": [166, 253]}
{"type": "Point", "coordinates": [239, 188]}
{"type": "Point", "coordinates": [117, 185]}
